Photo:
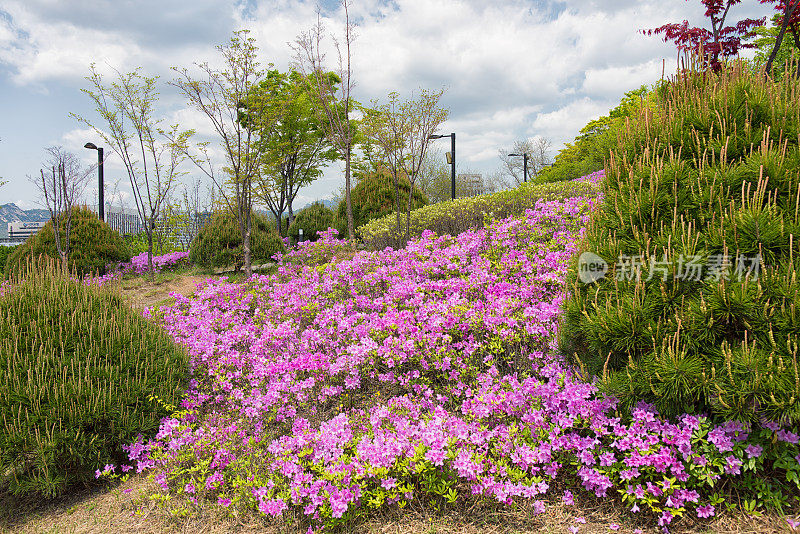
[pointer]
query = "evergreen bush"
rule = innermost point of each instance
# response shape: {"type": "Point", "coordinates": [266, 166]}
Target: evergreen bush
{"type": "Point", "coordinates": [688, 316]}
{"type": "Point", "coordinates": [374, 196]}
{"type": "Point", "coordinates": [219, 242]}
{"type": "Point", "coordinates": [94, 245]}
{"type": "Point", "coordinates": [315, 218]}
{"type": "Point", "coordinates": [5, 252]}
{"type": "Point", "coordinates": [78, 368]}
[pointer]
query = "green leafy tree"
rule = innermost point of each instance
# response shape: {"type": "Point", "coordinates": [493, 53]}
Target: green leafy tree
{"type": "Point", "coordinates": [591, 148]}
{"type": "Point", "coordinates": [334, 101]}
{"type": "Point", "coordinates": [297, 148]}
{"type": "Point", "coordinates": [128, 124]}
{"type": "Point", "coordinates": [220, 94]}
{"type": "Point", "coordinates": [400, 133]}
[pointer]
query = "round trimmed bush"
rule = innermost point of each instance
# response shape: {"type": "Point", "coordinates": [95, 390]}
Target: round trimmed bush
{"type": "Point", "coordinates": [93, 245]}
{"type": "Point", "coordinates": [699, 227]}
{"type": "Point", "coordinates": [78, 369]}
{"type": "Point", "coordinates": [315, 218]}
{"type": "Point", "coordinates": [374, 196]}
{"type": "Point", "coordinates": [219, 242]}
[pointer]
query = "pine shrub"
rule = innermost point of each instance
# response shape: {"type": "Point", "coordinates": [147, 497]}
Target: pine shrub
{"type": "Point", "coordinates": [94, 245]}
{"type": "Point", "coordinates": [78, 368]}
{"type": "Point", "coordinates": [709, 178]}
{"type": "Point", "coordinates": [374, 196]}
{"type": "Point", "coordinates": [219, 242]}
{"type": "Point", "coordinates": [315, 218]}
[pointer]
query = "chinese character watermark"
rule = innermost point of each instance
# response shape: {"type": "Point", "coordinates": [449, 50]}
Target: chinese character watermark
{"type": "Point", "coordinates": [686, 268]}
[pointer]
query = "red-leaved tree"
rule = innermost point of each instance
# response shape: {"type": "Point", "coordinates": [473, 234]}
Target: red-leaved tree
{"type": "Point", "coordinates": [717, 43]}
{"type": "Point", "coordinates": [788, 19]}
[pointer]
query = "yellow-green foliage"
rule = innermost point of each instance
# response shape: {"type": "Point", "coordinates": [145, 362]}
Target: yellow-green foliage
{"type": "Point", "coordinates": [456, 216]}
{"type": "Point", "coordinates": [219, 242]}
{"type": "Point", "coordinates": [93, 245]}
{"type": "Point", "coordinates": [77, 366]}
{"type": "Point", "coordinates": [711, 179]}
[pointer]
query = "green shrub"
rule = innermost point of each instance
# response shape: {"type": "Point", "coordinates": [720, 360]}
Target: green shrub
{"type": "Point", "coordinates": [93, 245]}
{"type": "Point", "coordinates": [374, 196]}
{"type": "Point", "coordinates": [5, 252]}
{"type": "Point", "coordinates": [219, 242]}
{"type": "Point", "coordinates": [456, 216]}
{"type": "Point", "coordinates": [78, 368]}
{"type": "Point", "coordinates": [712, 177]}
{"type": "Point", "coordinates": [312, 219]}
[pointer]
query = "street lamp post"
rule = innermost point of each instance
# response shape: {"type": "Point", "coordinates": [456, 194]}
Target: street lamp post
{"type": "Point", "coordinates": [101, 197]}
{"type": "Point", "coordinates": [452, 161]}
{"type": "Point", "coordinates": [524, 165]}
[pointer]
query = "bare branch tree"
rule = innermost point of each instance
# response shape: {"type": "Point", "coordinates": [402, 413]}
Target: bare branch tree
{"type": "Point", "coordinates": [335, 105]}
{"type": "Point", "coordinates": [537, 150]}
{"type": "Point", "coordinates": [150, 159]}
{"type": "Point", "coordinates": [61, 186]}
{"type": "Point", "coordinates": [220, 94]}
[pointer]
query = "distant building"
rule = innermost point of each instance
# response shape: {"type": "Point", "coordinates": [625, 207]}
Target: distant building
{"type": "Point", "coordinates": [123, 220]}
{"type": "Point", "coordinates": [21, 231]}
{"type": "Point", "coordinates": [472, 184]}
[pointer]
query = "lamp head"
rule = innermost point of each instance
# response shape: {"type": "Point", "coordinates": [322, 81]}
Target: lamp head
{"type": "Point", "coordinates": [90, 145]}
{"type": "Point", "coordinates": [515, 154]}
{"type": "Point", "coordinates": [434, 136]}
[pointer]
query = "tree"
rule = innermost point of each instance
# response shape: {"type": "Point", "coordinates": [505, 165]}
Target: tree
{"type": "Point", "coordinates": [334, 105]}
{"type": "Point", "coordinates": [61, 186]}
{"type": "Point", "coordinates": [433, 178]}
{"type": "Point", "coordinates": [513, 167]}
{"type": "Point", "coordinates": [718, 43]}
{"type": "Point", "coordinates": [787, 18]}
{"type": "Point", "coordinates": [150, 159]}
{"type": "Point", "coordinates": [220, 94]}
{"type": "Point", "coordinates": [297, 148]}
{"type": "Point", "coordinates": [400, 131]}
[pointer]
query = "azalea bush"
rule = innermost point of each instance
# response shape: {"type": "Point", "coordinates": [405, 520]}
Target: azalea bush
{"type": "Point", "coordinates": [325, 391]}
{"type": "Point", "coordinates": [171, 261]}
{"type": "Point", "coordinates": [456, 216]}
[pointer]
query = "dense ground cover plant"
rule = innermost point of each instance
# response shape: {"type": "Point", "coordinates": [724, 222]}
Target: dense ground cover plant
{"type": "Point", "coordinates": [93, 246]}
{"type": "Point", "coordinates": [78, 368]}
{"type": "Point", "coordinates": [219, 242]}
{"type": "Point", "coordinates": [699, 229]}
{"type": "Point", "coordinates": [426, 372]}
{"type": "Point", "coordinates": [456, 216]}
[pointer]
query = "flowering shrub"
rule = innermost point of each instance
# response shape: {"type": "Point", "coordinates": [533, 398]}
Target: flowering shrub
{"type": "Point", "coordinates": [426, 372]}
{"type": "Point", "coordinates": [462, 214]}
{"type": "Point", "coordinates": [138, 264]}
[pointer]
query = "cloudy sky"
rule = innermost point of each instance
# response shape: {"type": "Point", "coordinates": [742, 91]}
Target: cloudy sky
{"type": "Point", "coordinates": [512, 69]}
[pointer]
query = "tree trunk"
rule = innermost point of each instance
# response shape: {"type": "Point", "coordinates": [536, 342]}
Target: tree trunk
{"type": "Point", "coordinates": [408, 214]}
{"type": "Point", "coordinates": [150, 254]}
{"type": "Point", "coordinates": [397, 211]}
{"type": "Point", "coordinates": [778, 40]}
{"type": "Point", "coordinates": [248, 260]}
{"type": "Point", "coordinates": [348, 203]}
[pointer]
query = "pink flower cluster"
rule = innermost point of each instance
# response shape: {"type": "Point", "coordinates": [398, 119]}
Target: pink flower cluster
{"type": "Point", "coordinates": [139, 265]}
{"type": "Point", "coordinates": [430, 369]}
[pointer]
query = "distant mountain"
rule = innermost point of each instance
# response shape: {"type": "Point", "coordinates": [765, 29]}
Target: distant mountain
{"type": "Point", "coordinates": [329, 203]}
{"type": "Point", "coordinates": [13, 213]}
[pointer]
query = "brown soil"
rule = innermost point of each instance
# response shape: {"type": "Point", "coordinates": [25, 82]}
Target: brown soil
{"type": "Point", "coordinates": [142, 293]}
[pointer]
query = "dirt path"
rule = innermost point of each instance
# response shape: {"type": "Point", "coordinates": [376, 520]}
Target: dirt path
{"type": "Point", "coordinates": [142, 294]}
